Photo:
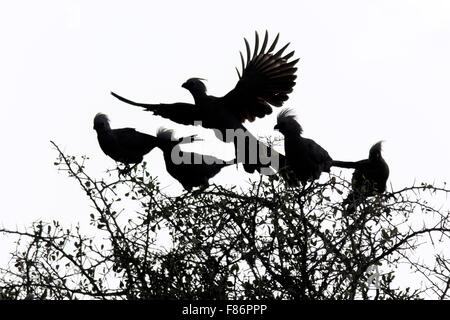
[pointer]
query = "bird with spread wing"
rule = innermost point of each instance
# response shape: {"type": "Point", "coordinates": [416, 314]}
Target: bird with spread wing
{"type": "Point", "coordinates": [266, 80]}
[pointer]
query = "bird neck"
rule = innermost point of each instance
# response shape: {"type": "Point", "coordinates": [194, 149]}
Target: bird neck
{"type": "Point", "coordinates": [292, 136]}
{"type": "Point", "coordinates": [199, 96]}
{"type": "Point", "coordinates": [103, 131]}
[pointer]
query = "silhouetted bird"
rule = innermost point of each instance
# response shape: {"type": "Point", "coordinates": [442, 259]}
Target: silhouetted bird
{"type": "Point", "coordinates": [369, 178]}
{"type": "Point", "coordinates": [267, 79]}
{"type": "Point", "coordinates": [189, 168]}
{"type": "Point", "coordinates": [305, 159]}
{"type": "Point", "coordinates": [125, 145]}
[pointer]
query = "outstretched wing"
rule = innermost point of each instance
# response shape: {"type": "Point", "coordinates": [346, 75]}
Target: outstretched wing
{"type": "Point", "coordinates": [179, 112]}
{"type": "Point", "coordinates": [267, 79]}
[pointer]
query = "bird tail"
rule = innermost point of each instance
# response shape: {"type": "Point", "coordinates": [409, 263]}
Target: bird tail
{"type": "Point", "coordinates": [143, 105]}
{"type": "Point", "coordinates": [343, 164]}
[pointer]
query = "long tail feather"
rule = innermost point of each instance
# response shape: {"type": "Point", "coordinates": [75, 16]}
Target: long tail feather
{"type": "Point", "coordinates": [144, 105]}
{"type": "Point", "coordinates": [343, 164]}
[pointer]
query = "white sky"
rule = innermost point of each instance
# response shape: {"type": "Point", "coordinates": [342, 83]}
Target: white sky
{"type": "Point", "coordinates": [369, 71]}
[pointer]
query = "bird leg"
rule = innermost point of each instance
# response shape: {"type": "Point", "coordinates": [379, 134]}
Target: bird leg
{"type": "Point", "coordinates": [126, 170]}
{"type": "Point", "coordinates": [274, 177]}
{"type": "Point", "coordinates": [351, 203]}
{"type": "Point", "coordinates": [236, 151]}
{"type": "Point", "coordinates": [202, 188]}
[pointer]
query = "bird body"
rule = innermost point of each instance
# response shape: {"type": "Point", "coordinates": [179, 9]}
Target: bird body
{"type": "Point", "coordinates": [369, 178]}
{"type": "Point", "coordinates": [305, 159]}
{"type": "Point", "coordinates": [189, 168]}
{"type": "Point", "coordinates": [309, 159]}
{"type": "Point", "coordinates": [125, 145]}
{"type": "Point", "coordinates": [266, 80]}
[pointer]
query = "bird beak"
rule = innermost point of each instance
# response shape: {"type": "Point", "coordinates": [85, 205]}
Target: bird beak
{"type": "Point", "coordinates": [184, 85]}
{"type": "Point", "coordinates": [276, 127]}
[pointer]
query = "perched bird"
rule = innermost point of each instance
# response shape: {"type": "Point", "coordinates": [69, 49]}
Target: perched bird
{"type": "Point", "coordinates": [125, 145]}
{"type": "Point", "coordinates": [189, 168]}
{"type": "Point", "coordinates": [369, 178]}
{"type": "Point", "coordinates": [266, 80]}
{"type": "Point", "coordinates": [305, 159]}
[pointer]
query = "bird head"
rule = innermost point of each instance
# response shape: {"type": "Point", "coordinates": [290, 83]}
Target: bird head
{"type": "Point", "coordinates": [165, 135]}
{"type": "Point", "coordinates": [375, 151]}
{"type": "Point", "coordinates": [101, 122]}
{"type": "Point", "coordinates": [287, 124]}
{"type": "Point", "coordinates": [167, 140]}
{"type": "Point", "coordinates": [195, 86]}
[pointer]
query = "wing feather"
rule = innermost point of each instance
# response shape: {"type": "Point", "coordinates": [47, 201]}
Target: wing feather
{"type": "Point", "coordinates": [256, 45]}
{"type": "Point", "coordinates": [266, 79]}
{"type": "Point", "coordinates": [273, 44]}
{"type": "Point", "coordinates": [266, 38]}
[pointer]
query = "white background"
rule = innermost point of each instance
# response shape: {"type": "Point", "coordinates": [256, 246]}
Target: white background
{"type": "Point", "coordinates": [369, 71]}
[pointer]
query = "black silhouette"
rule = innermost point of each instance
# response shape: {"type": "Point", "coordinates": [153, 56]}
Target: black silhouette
{"type": "Point", "coordinates": [267, 79]}
{"type": "Point", "coordinates": [305, 159]}
{"type": "Point", "coordinates": [125, 145]}
{"type": "Point", "coordinates": [189, 168]}
{"type": "Point", "coordinates": [369, 178]}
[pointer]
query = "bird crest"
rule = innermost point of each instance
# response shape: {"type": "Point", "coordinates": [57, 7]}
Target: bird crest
{"type": "Point", "coordinates": [168, 135]}
{"type": "Point", "coordinates": [101, 120]}
{"type": "Point", "coordinates": [376, 149]}
{"type": "Point", "coordinates": [286, 119]}
{"type": "Point", "coordinates": [195, 85]}
{"type": "Point", "coordinates": [196, 80]}
{"type": "Point", "coordinates": [165, 134]}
